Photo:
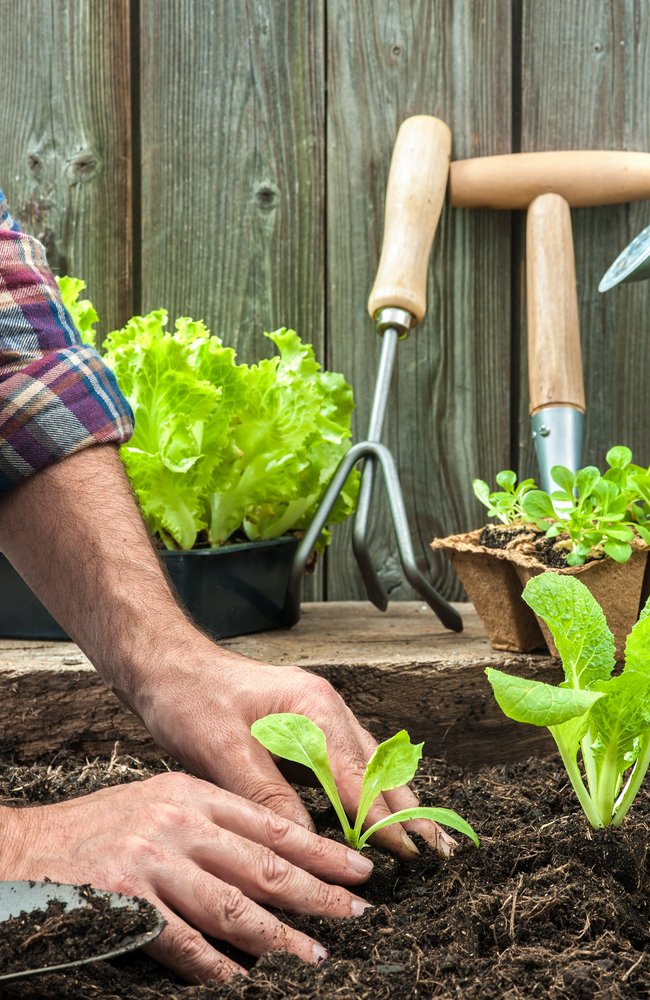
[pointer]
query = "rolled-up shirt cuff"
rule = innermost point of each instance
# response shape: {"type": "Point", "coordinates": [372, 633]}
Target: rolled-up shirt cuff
{"type": "Point", "coordinates": [54, 406]}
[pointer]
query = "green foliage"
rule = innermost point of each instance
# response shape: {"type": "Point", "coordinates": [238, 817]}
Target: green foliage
{"type": "Point", "coordinates": [588, 508]}
{"type": "Point", "coordinates": [603, 718]}
{"type": "Point", "coordinates": [590, 513]}
{"type": "Point", "coordinates": [83, 313]}
{"type": "Point", "coordinates": [394, 763]}
{"type": "Point", "coordinates": [506, 503]}
{"type": "Point", "coordinates": [220, 447]}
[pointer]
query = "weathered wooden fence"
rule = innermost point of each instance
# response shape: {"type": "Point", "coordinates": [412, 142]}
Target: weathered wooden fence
{"type": "Point", "coordinates": [228, 159]}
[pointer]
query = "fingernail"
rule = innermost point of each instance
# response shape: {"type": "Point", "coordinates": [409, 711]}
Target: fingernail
{"type": "Point", "coordinates": [319, 953]}
{"type": "Point", "coordinates": [359, 864]}
{"type": "Point", "coordinates": [359, 906]}
{"type": "Point", "coordinates": [446, 844]}
{"type": "Point", "coordinates": [409, 845]}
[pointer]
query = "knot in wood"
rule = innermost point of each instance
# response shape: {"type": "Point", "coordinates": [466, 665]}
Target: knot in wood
{"type": "Point", "coordinates": [82, 167]}
{"type": "Point", "coordinates": [267, 196]}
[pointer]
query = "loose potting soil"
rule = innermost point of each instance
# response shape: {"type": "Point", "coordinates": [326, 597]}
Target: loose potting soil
{"type": "Point", "coordinates": [51, 936]}
{"type": "Point", "coordinates": [551, 552]}
{"type": "Point", "coordinates": [546, 907]}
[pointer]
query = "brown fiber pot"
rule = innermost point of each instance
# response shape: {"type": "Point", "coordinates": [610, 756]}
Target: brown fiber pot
{"type": "Point", "coordinates": [495, 578]}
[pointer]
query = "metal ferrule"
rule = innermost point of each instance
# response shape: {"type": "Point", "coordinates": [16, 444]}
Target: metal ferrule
{"type": "Point", "coordinates": [395, 319]}
{"type": "Point", "coordinates": [557, 433]}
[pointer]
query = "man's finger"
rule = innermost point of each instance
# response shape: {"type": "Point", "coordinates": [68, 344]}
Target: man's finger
{"type": "Point", "coordinates": [255, 776]}
{"type": "Point", "coordinates": [321, 856]}
{"type": "Point", "coordinates": [186, 952]}
{"type": "Point", "coordinates": [224, 912]}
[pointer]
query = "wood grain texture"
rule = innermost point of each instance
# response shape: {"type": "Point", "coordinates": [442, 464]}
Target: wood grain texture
{"type": "Point", "coordinates": [554, 357]}
{"type": "Point", "coordinates": [233, 192]}
{"type": "Point", "coordinates": [232, 134]}
{"type": "Point", "coordinates": [397, 670]}
{"type": "Point", "coordinates": [65, 155]}
{"type": "Point", "coordinates": [448, 415]}
{"type": "Point", "coordinates": [586, 85]}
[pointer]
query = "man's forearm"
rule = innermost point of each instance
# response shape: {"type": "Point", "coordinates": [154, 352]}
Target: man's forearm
{"type": "Point", "coordinates": [75, 534]}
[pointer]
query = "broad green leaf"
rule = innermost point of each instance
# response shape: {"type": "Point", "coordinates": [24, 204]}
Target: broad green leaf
{"type": "Point", "coordinates": [445, 817]}
{"type": "Point", "coordinates": [297, 738]}
{"type": "Point", "coordinates": [538, 504]}
{"type": "Point", "coordinates": [620, 719]}
{"type": "Point", "coordinates": [564, 478]}
{"type": "Point", "coordinates": [586, 479]}
{"type": "Point", "coordinates": [618, 457]}
{"type": "Point", "coordinates": [637, 645]}
{"type": "Point", "coordinates": [393, 763]}
{"type": "Point", "coordinates": [620, 552]}
{"type": "Point", "coordinates": [507, 480]}
{"type": "Point", "coordinates": [536, 702]}
{"type": "Point", "coordinates": [577, 624]}
{"type": "Point", "coordinates": [481, 491]}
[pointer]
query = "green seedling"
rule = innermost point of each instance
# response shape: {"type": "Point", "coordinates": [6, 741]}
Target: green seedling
{"type": "Point", "coordinates": [589, 509]}
{"type": "Point", "coordinates": [506, 503]}
{"type": "Point", "coordinates": [394, 763]}
{"type": "Point", "coordinates": [594, 717]}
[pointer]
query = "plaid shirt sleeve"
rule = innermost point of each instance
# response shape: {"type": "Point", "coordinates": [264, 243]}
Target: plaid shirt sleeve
{"type": "Point", "coordinates": [56, 394]}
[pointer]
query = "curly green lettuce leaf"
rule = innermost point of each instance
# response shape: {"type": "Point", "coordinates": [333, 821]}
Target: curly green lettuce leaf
{"type": "Point", "coordinates": [83, 313]}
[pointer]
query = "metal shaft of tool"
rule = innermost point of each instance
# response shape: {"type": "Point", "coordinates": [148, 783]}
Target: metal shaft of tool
{"type": "Point", "coordinates": [374, 588]}
{"type": "Point", "coordinates": [380, 453]}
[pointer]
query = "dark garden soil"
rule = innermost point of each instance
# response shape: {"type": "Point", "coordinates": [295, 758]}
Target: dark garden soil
{"type": "Point", "coordinates": [546, 907]}
{"type": "Point", "coordinates": [551, 552]}
{"type": "Point", "coordinates": [40, 939]}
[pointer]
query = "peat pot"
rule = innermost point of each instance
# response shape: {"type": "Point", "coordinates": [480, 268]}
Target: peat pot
{"type": "Point", "coordinates": [495, 578]}
{"type": "Point", "coordinates": [232, 590]}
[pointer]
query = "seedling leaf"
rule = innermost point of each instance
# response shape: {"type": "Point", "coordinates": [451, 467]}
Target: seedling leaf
{"type": "Point", "coordinates": [536, 702]}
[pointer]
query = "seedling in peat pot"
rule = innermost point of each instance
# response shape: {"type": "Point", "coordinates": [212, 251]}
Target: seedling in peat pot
{"type": "Point", "coordinates": [604, 718]}
{"type": "Point", "coordinates": [394, 763]}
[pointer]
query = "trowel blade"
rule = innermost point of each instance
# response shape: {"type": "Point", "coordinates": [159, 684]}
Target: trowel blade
{"type": "Point", "coordinates": [633, 264]}
{"type": "Point", "coordinates": [19, 897]}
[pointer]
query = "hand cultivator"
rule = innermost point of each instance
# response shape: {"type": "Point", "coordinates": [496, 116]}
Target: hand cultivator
{"type": "Point", "coordinates": [414, 199]}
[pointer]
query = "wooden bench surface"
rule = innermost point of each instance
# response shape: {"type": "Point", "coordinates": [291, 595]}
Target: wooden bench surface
{"type": "Point", "coordinates": [397, 669]}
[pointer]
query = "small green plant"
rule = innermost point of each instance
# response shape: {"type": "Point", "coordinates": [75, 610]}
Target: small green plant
{"type": "Point", "coordinates": [590, 514]}
{"type": "Point", "coordinates": [394, 763]}
{"type": "Point", "coordinates": [604, 719]}
{"type": "Point", "coordinates": [506, 503]}
{"type": "Point", "coordinates": [589, 509]}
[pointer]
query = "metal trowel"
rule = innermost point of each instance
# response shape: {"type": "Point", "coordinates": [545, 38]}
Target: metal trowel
{"type": "Point", "coordinates": [632, 264]}
{"type": "Point", "coordinates": [25, 897]}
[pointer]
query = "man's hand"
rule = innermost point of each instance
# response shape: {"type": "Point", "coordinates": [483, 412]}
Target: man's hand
{"type": "Point", "coordinates": [209, 860]}
{"type": "Point", "coordinates": [75, 534]}
{"type": "Point", "coordinates": [200, 701]}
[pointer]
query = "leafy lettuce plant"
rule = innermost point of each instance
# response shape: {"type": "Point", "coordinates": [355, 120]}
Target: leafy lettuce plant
{"type": "Point", "coordinates": [222, 448]}
{"type": "Point", "coordinates": [394, 763]}
{"type": "Point", "coordinates": [505, 504]}
{"type": "Point", "coordinates": [596, 718]}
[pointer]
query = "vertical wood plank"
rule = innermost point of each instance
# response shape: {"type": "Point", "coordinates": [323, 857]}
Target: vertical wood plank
{"type": "Point", "coordinates": [448, 416]}
{"type": "Point", "coordinates": [232, 131]}
{"type": "Point", "coordinates": [65, 155]}
{"type": "Point", "coordinates": [233, 192]}
{"type": "Point", "coordinates": [586, 85]}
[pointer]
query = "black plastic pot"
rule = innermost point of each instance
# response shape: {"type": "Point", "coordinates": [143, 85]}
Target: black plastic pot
{"type": "Point", "coordinates": [232, 590]}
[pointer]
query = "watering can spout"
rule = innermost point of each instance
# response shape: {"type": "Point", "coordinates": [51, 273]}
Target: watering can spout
{"type": "Point", "coordinates": [633, 264]}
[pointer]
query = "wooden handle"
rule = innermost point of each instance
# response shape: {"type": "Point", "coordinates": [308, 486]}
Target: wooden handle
{"type": "Point", "coordinates": [582, 177]}
{"type": "Point", "coordinates": [416, 191]}
{"type": "Point", "coordinates": [554, 357]}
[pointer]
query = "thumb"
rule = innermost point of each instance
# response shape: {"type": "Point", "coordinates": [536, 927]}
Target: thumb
{"type": "Point", "coordinates": [256, 777]}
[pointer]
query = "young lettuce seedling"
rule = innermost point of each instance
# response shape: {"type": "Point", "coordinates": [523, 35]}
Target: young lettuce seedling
{"type": "Point", "coordinates": [394, 763]}
{"type": "Point", "coordinates": [604, 718]}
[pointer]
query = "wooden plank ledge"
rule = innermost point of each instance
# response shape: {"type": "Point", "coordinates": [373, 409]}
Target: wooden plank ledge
{"type": "Point", "coordinates": [397, 669]}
